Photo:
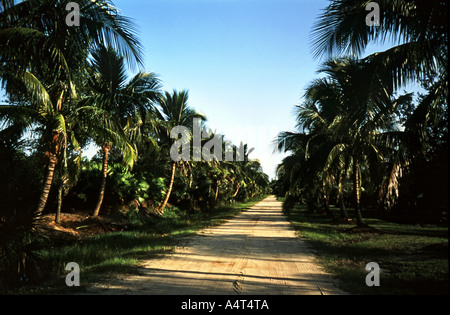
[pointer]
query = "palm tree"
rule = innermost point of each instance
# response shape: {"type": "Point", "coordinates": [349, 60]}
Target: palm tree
{"type": "Point", "coordinates": [252, 180]}
{"type": "Point", "coordinates": [346, 115]}
{"type": "Point", "coordinates": [418, 30]}
{"type": "Point", "coordinates": [49, 76]}
{"type": "Point", "coordinates": [174, 111]}
{"type": "Point", "coordinates": [303, 170]}
{"type": "Point", "coordinates": [116, 102]}
{"type": "Point", "coordinates": [417, 27]}
{"type": "Point", "coordinates": [365, 113]}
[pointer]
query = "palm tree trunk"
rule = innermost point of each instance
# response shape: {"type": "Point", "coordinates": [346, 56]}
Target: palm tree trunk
{"type": "Point", "coordinates": [326, 199]}
{"type": "Point", "coordinates": [357, 189]}
{"type": "Point", "coordinates": [341, 198]}
{"type": "Point", "coordinates": [58, 209]}
{"type": "Point", "coordinates": [47, 183]}
{"type": "Point", "coordinates": [166, 199]}
{"type": "Point", "coordinates": [237, 190]}
{"type": "Point", "coordinates": [326, 205]}
{"type": "Point", "coordinates": [104, 175]}
{"type": "Point", "coordinates": [217, 191]}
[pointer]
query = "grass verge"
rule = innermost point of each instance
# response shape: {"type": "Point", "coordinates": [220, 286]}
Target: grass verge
{"type": "Point", "coordinates": [109, 254]}
{"type": "Point", "coordinates": [413, 259]}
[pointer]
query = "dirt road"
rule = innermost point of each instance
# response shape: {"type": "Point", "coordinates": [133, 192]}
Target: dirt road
{"type": "Point", "coordinates": [256, 252]}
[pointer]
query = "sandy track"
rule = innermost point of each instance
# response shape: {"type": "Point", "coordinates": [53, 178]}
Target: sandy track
{"type": "Point", "coordinates": [256, 252]}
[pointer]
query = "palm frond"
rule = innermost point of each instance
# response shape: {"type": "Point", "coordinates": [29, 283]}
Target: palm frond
{"type": "Point", "coordinates": [103, 23]}
{"type": "Point", "coordinates": [341, 28]}
{"type": "Point", "coordinates": [18, 115]}
{"type": "Point", "coordinates": [337, 152]}
{"type": "Point", "coordinates": [15, 77]}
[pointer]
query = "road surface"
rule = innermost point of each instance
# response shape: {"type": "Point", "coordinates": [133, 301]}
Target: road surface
{"type": "Point", "coordinates": [255, 253]}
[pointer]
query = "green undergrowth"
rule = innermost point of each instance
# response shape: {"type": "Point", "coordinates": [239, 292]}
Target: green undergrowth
{"type": "Point", "coordinates": [413, 259]}
{"type": "Point", "coordinates": [109, 254]}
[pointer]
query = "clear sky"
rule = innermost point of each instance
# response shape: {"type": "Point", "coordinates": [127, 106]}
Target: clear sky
{"type": "Point", "coordinates": [245, 62]}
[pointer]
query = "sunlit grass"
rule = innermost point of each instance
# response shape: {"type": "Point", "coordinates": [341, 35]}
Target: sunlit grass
{"type": "Point", "coordinates": [106, 255]}
{"type": "Point", "coordinates": [413, 259]}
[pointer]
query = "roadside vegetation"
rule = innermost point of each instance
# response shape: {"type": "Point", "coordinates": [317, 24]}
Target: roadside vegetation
{"type": "Point", "coordinates": [360, 138]}
{"type": "Point", "coordinates": [413, 258]}
{"type": "Point", "coordinates": [109, 254]}
{"type": "Point", "coordinates": [366, 173]}
{"type": "Point", "coordinates": [85, 87]}
{"type": "Point", "coordinates": [361, 143]}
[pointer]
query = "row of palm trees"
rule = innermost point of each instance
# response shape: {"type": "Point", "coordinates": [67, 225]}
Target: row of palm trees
{"type": "Point", "coordinates": [352, 124]}
{"type": "Point", "coordinates": [71, 85]}
{"type": "Point", "coordinates": [46, 65]}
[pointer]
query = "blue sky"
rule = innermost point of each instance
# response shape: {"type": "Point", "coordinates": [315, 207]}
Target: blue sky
{"type": "Point", "coordinates": [245, 62]}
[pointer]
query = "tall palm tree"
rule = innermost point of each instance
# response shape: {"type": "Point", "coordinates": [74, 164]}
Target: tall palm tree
{"type": "Point", "coordinates": [115, 102]}
{"type": "Point", "coordinates": [249, 173]}
{"type": "Point", "coordinates": [363, 110]}
{"type": "Point", "coordinates": [418, 30]}
{"type": "Point", "coordinates": [346, 115]}
{"type": "Point", "coordinates": [174, 111]}
{"type": "Point", "coordinates": [304, 170]}
{"type": "Point", "coordinates": [49, 76]}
